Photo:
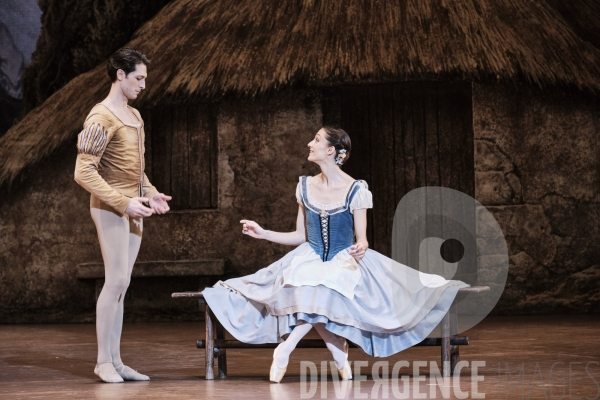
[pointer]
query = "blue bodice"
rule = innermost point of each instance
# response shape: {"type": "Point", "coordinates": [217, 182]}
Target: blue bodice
{"type": "Point", "coordinates": [329, 231]}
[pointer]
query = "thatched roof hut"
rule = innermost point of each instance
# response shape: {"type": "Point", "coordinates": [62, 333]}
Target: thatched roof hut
{"type": "Point", "coordinates": [477, 96]}
{"type": "Point", "coordinates": [207, 48]}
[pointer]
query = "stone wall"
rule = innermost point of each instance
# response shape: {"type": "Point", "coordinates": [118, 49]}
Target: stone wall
{"type": "Point", "coordinates": [537, 170]}
{"type": "Point", "coordinates": [46, 228]}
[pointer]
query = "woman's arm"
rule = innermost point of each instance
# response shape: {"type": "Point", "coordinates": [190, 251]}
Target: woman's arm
{"type": "Point", "coordinates": [359, 249]}
{"type": "Point", "coordinates": [295, 238]}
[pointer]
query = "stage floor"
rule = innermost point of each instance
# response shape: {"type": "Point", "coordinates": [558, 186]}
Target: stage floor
{"type": "Point", "coordinates": [535, 357]}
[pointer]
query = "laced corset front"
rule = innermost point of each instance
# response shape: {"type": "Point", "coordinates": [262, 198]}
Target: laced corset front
{"type": "Point", "coordinates": [329, 229]}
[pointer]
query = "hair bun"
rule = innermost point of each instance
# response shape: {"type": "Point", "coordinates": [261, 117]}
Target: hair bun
{"type": "Point", "coordinates": [340, 139]}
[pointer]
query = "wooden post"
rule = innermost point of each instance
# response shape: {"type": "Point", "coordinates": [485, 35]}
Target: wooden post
{"type": "Point", "coordinates": [454, 357]}
{"type": "Point", "coordinates": [210, 345]}
{"type": "Point", "coordinates": [446, 345]}
{"type": "Point", "coordinates": [453, 320]}
{"type": "Point", "coordinates": [222, 360]}
{"type": "Point", "coordinates": [454, 349]}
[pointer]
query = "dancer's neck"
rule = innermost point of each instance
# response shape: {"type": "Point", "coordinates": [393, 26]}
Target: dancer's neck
{"type": "Point", "coordinates": [332, 175]}
{"type": "Point", "coordinates": [116, 100]}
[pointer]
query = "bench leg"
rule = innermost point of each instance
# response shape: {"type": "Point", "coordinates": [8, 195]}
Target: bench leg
{"type": "Point", "coordinates": [222, 360]}
{"type": "Point", "coordinates": [454, 357]}
{"type": "Point", "coordinates": [210, 345]}
{"type": "Point", "coordinates": [446, 345]}
{"type": "Point", "coordinates": [454, 350]}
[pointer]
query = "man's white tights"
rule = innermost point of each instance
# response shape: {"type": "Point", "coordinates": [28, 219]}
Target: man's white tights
{"type": "Point", "coordinates": [120, 238]}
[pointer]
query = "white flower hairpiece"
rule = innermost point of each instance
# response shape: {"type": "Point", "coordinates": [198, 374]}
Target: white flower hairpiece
{"type": "Point", "coordinates": [339, 159]}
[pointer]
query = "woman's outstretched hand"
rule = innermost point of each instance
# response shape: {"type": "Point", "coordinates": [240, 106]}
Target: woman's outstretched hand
{"type": "Point", "coordinates": [358, 251]}
{"type": "Point", "coordinates": [253, 229]}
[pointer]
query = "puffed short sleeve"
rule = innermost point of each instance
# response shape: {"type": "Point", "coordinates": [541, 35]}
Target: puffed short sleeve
{"type": "Point", "coordinates": [93, 139]}
{"type": "Point", "coordinates": [362, 199]}
{"type": "Point", "coordinates": [298, 195]}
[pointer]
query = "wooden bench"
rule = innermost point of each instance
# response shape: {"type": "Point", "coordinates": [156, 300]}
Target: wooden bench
{"type": "Point", "coordinates": [149, 269]}
{"type": "Point", "coordinates": [216, 345]}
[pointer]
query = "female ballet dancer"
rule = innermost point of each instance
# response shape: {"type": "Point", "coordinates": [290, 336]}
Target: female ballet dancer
{"type": "Point", "coordinates": [331, 281]}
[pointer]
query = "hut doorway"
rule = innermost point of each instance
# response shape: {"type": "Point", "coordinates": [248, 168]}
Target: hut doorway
{"type": "Point", "coordinates": [404, 136]}
{"type": "Point", "coordinates": [182, 154]}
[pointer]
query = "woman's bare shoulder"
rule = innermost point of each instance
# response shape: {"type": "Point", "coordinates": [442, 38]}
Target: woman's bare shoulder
{"type": "Point", "coordinates": [349, 179]}
{"type": "Point", "coordinates": [360, 182]}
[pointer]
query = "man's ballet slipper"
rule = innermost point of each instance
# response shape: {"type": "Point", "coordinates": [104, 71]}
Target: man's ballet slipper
{"type": "Point", "coordinates": [106, 371]}
{"type": "Point", "coordinates": [130, 374]}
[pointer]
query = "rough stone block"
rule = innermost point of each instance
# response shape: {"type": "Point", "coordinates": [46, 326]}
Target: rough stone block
{"type": "Point", "coordinates": [491, 188]}
{"type": "Point", "coordinates": [515, 184]}
{"type": "Point", "coordinates": [491, 246]}
{"type": "Point", "coordinates": [487, 225]}
{"type": "Point", "coordinates": [488, 157]}
{"type": "Point", "coordinates": [491, 262]}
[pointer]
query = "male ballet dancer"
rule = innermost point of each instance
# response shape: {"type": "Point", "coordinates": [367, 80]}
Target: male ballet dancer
{"type": "Point", "coordinates": [110, 165]}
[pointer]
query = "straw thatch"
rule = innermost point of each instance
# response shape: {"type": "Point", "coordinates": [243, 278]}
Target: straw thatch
{"type": "Point", "coordinates": [212, 47]}
{"type": "Point", "coordinates": [583, 16]}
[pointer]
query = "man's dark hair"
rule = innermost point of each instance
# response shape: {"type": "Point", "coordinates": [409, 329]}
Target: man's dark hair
{"type": "Point", "coordinates": [125, 59]}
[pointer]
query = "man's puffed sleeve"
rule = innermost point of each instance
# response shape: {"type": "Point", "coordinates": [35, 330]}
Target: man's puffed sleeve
{"type": "Point", "coordinates": [91, 143]}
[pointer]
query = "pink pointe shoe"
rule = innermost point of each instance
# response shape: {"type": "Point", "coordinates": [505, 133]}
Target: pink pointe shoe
{"type": "Point", "coordinates": [345, 372]}
{"type": "Point", "coordinates": [277, 372]}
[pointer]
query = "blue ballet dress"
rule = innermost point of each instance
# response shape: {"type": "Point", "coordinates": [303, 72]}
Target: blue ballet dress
{"type": "Point", "coordinates": [380, 305]}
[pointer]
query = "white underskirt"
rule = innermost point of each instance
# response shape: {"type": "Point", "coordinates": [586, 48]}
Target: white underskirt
{"type": "Point", "coordinates": [340, 274]}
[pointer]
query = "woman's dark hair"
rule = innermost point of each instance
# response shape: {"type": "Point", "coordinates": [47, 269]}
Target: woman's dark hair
{"type": "Point", "coordinates": [338, 138]}
{"type": "Point", "coordinates": [125, 59]}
